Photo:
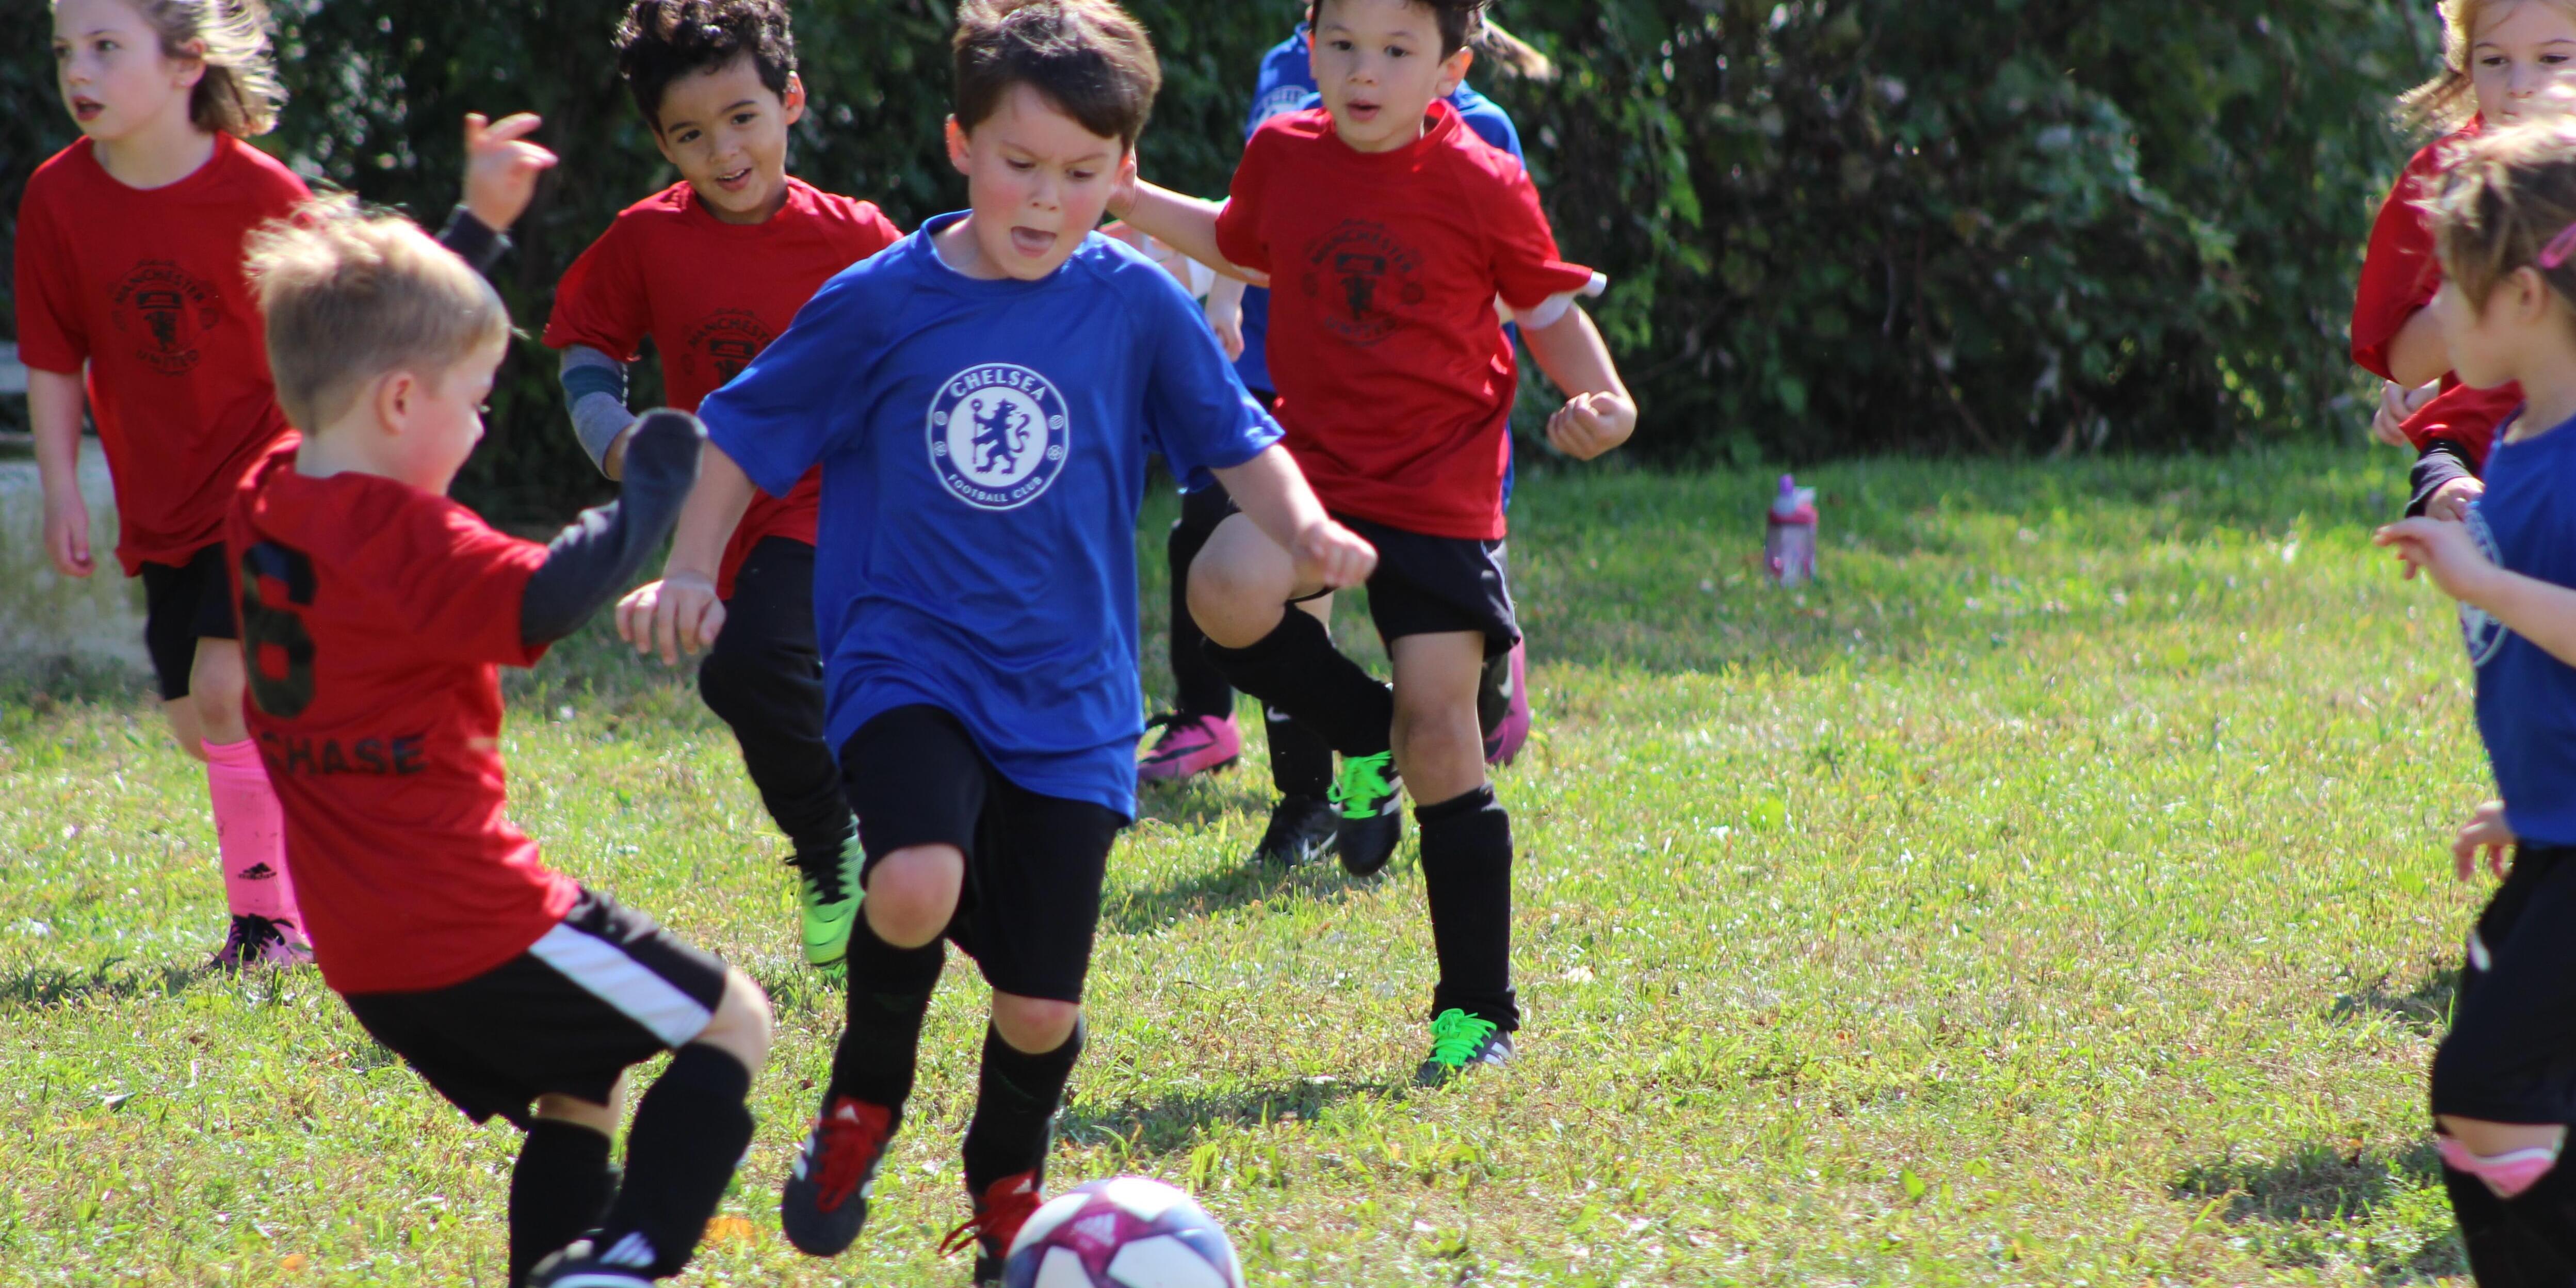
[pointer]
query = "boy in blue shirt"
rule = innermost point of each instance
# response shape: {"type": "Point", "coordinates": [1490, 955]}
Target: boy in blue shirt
{"type": "Point", "coordinates": [2504, 1079]}
{"type": "Point", "coordinates": [982, 397]}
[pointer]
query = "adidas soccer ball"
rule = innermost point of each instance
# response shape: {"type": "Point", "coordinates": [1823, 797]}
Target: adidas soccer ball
{"type": "Point", "coordinates": [1123, 1233]}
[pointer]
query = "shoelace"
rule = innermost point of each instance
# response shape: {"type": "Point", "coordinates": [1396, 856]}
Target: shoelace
{"type": "Point", "coordinates": [824, 875]}
{"type": "Point", "coordinates": [848, 1138]}
{"type": "Point", "coordinates": [1005, 1207]}
{"type": "Point", "coordinates": [1362, 784]}
{"type": "Point", "coordinates": [1455, 1035]}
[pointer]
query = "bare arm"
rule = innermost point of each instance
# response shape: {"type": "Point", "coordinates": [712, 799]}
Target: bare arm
{"type": "Point", "coordinates": [2419, 355]}
{"type": "Point", "coordinates": [1272, 492]}
{"type": "Point", "coordinates": [1185, 224]}
{"type": "Point", "coordinates": [2539, 611]}
{"type": "Point", "coordinates": [680, 613]}
{"type": "Point", "coordinates": [1598, 414]}
{"type": "Point", "coordinates": [54, 403]}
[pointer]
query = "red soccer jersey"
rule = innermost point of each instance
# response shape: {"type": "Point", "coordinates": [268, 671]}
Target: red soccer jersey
{"type": "Point", "coordinates": [146, 287]}
{"type": "Point", "coordinates": [375, 617]}
{"type": "Point", "coordinates": [712, 295]}
{"type": "Point", "coordinates": [2398, 278]}
{"type": "Point", "coordinates": [1395, 379]}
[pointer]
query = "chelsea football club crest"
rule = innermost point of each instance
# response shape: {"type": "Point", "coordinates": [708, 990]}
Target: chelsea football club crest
{"type": "Point", "coordinates": [998, 435]}
{"type": "Point", "coordinates": [2483, 633]}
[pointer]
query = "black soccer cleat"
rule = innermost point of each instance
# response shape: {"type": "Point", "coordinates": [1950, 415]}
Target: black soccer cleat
{"type": "Point", "coordinates": [1370, 796]}
{"type": "Point", "coordinates": [824, 1204]}
{"type": "Point", "coordinates": [1301, 829]}
{"type": "Point", "coordinates": [1461, 1043]}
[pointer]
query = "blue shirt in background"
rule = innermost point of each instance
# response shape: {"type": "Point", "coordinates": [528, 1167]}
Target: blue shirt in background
{"type": "Point", "coordinates": [983, 446]}
{"type": "Point", "coordinates": [2526, 521]}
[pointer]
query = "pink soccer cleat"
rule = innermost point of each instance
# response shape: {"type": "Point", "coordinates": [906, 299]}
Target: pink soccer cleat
{"type": "Point", "coordinates": [1189, 745]}
{"type": "Point", "coordinates": [1512, 732]}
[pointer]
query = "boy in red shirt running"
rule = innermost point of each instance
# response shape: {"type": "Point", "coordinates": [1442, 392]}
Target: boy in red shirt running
{"type": "Point", "coordinates": [375, 616]}
{"type": "Point", "coordinates": [1388, 230]}
{"type": "Point", "coordinates": [131, 300]}
{"type": "Point", "coordinates": [712, 268]}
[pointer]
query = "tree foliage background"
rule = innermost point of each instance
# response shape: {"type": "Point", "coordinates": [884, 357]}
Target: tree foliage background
{"type": "Point", "coordinates": [1832, 226]}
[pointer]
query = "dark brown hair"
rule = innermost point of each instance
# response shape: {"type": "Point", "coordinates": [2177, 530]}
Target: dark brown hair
{"type": "Point", "coordinates": [2508, 195]}
{"type": "Point", "coordinates": [1087, 57]}
{"type": "Point", "coordinates": [1460, 22]}
{"type": "Point", "coordinates": [660, 41]}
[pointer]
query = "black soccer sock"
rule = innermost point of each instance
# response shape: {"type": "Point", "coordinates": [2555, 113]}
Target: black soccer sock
{"type": "Point", "coordinates": [1199, 688]}
{"type": "Point", "coordinates": [1467, 879]}
{"type": "Point", "coordinates": [1015, 1102]}
{"type": "Point", "coordinates": [559, 1189]}
{"type": "Point", "coordinates": [690, 1131]}
{"type": "Point", "coordinates": [890, 992]}
{"type": "Point", "coordinates": [1300, 763]}
{"type": "Point", "coordinates": [1296, 669]}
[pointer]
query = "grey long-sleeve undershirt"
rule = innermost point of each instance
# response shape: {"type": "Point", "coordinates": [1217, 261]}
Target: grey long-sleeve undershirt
{"type": "Point", "coordinates": [588, 563]}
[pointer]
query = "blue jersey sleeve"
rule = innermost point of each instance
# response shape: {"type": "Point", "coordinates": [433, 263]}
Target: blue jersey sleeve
{"type": "Point", "coordinates": [1488, 119]}
{"type": "Point", "coordinates": [793, 405]}
{"type": "Point", "coordinates": [1197, 411]}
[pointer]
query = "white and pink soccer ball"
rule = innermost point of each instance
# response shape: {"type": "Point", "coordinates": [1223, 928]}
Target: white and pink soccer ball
{"type": "Point", "coordinates": [1124, 1233]}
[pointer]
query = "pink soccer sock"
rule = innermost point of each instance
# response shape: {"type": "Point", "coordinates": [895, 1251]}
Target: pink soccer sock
{"type": "Point", "coordinates": [250, 834]}
{"type": "Point", "coordinates": [2508, 1174]}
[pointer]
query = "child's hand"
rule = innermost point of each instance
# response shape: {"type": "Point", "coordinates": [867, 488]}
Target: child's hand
{"type": "Point", "coordinates": [678, 614]}
{"type": "Point", "coordinates": [1225, 317]}
{"type": "Point", "coordinates": [2450, 502]}
{"type": "Point", "coordinates": [501, 167]}
{"type": "Point", "coordinates": [2396, 404]}
{"type": "Point", "coordinates": [2445, 550]}
{"type": "Point", "coordinates": [1590, 424]}
{"type": "Point", "coordinates": [1329, 553]}
{"type": "Point", "coordinates": [67, 532]}
{"type": "Point", "coordinates": [2485, 832]}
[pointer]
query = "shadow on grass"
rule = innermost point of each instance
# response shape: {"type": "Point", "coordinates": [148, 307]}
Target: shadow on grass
{"type": "Point", "coordinates": [1175, 1123]}
{"type": "Point", "coordinates": [2381, 1211]}
{"type": "Point", "coordinates": [49, 987]}
{"type": "Point", "coordinates": [1209, 893]}
{"type": "Point", "coordinates": [2424, 1009]}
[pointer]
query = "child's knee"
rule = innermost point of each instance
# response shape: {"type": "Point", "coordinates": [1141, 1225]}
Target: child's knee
{"type": "Point", "coordinates": [742, 1023]}
{"type": "Point", "coordinates": [912, 893]}
{"type": "Point", "coordinates": [215, 689]}
{"type": "Point", "coordinates": [554, 1106]}
{"type": "Point", "coordinates": [1035, 1025]}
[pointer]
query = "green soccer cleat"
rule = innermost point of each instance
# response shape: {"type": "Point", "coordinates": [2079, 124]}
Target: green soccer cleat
{"type": "Point", "coordinates": [829, 892]}
{"type": "Point", "coordinates": [1461, 1042]}
{"type": "Point", "coordinates": [1370, 796]}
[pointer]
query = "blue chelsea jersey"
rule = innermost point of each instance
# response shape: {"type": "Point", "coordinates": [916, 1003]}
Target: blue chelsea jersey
{"type": "Point", "coordinates": [2526, 522]}
{"type": "Point", "coordinates": [983, 446]}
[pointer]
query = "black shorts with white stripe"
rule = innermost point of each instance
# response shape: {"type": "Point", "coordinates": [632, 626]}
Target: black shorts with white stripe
{"type": "Point", "coordinates": [605, 990]}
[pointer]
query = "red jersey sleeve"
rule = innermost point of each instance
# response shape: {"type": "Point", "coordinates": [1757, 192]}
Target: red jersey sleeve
{"type": "Point", "coordinates": [602, 301]}
{"type": "Point", "coordinates": [870, 231]}
{"type": "Point", "coordinates": [2400, 273]}
{"type": "Point", "coordinates": [50, 335]}
{"type": "Point", "coordinates": [1238, 233]}
{"type": "Point", "coordinates": [1523, 248]}
{"type": "Point", "coordinates": [453, 585]}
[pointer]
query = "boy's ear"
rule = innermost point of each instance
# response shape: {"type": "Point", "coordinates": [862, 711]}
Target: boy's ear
{"type": "Point", "coordinates": [794, 99]}
{"type": "Point", "coordinates": [191, 65]}
{"type": "Point", "coordinates": [394, 395]}
{"type": "Point", "coordinates": [1453, 71]}
{"type": "Point", "coordinates": [2532, 298]}
{"type": "Point", "coordinates": [956, 145]}
{"type": "Point", "coordinates": [660, 144]}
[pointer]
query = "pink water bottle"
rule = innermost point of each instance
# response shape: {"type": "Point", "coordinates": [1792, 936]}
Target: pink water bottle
{"type": "Point", "coordinates": [1789, 546]}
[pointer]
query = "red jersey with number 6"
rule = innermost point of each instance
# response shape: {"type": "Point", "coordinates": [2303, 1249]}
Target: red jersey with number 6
{"type": "Point", "coordinates": [145, 286]}
{"type": "Point", "coordinates": [713, 295]}
{"type": "Point", "coordinates": [1395, 378]}
{"type": "Point", "coordinates": [375, 617]}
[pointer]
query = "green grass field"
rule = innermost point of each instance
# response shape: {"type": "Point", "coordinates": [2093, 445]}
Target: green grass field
{"type": "Point", "coordinates": [2054, 896]}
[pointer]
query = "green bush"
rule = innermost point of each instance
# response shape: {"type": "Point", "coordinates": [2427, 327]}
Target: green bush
{"type": "Point", "coordinates": [1832, 225]}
